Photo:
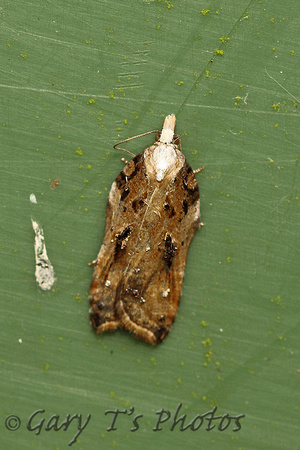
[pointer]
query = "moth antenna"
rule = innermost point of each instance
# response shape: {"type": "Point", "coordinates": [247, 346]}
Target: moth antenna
{"type": "Point", "coordinates": [123, 149]}
{"type": "Point", "coordinates": [130, 139]}
{"type": "Point", "coordinates": [157, 136]}
{"type": "Point", "coordinates": [177, 141]}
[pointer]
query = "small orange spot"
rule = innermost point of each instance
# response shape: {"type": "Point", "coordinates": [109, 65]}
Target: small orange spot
{"type": "Point", "coordinates": [54, 183]}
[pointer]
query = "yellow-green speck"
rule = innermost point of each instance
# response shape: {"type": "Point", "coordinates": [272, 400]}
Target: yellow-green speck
{"type": "Point", "coordinates": [206, 342]}
{"type": "Point", "coordinates": [277, 300]}
{"type": "Point", "coordinates": [169, 4]}
{"type": "Point", "coordinates": [224, 39]}
{"type": "Point", "coordinates": [276, 107]}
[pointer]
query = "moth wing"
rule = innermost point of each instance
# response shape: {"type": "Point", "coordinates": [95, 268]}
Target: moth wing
{"type": "Point", "coordinates": [113, 255]}
{"type": "Point", "coordinates": [149, 292]}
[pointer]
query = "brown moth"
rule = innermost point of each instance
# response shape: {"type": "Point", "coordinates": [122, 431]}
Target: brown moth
{"type": "Point", "coordinates": [152, 214]}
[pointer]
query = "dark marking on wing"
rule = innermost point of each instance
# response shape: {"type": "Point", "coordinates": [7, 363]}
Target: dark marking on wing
{"type": "Point", "coordinates": [137, 204]}
{"type": "Point", "coordinates": [170, 250]}
{"type": "Point", "coordinates": [122, 238]}
{"type": "Point", "coordinates": [185, 206]}
{"type": "Point", "coordinates": [125, 193]}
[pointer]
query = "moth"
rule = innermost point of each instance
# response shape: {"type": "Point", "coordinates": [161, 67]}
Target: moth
{"type": "Point", "coordinates": [152, 214]}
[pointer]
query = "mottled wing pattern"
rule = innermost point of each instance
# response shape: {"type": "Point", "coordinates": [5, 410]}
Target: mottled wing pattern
{"type": "Point", "coordinates": [139, 270]}
{"type": "Point", "coordinates": [112, 258]}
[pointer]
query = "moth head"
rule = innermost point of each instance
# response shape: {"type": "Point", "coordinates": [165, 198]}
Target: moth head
{"type": "Point", "coordinates": [176, 138]}
{"type": "Point", "coordinates": [167, 133]}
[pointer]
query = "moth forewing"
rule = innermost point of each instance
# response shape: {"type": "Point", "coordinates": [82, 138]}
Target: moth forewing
{"type": "Point", "coordinates": [153, 212]}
